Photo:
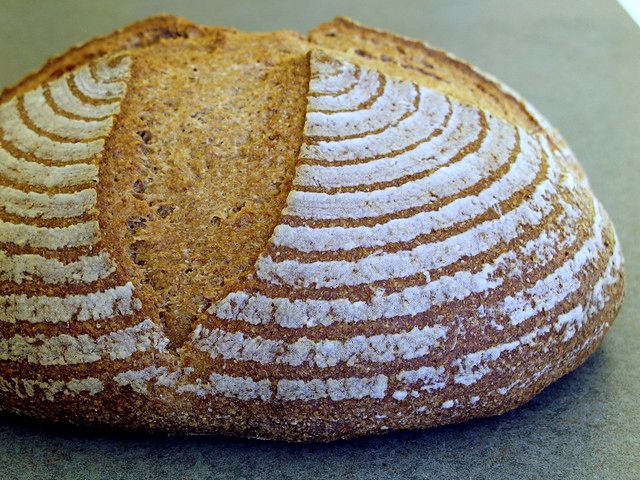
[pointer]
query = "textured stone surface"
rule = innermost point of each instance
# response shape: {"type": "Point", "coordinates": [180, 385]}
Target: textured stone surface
{"type": "Point", "coordinates": [578, 62]}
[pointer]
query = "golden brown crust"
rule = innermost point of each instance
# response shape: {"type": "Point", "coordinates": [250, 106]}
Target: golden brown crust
{"type": "Point", "coordinates": [137, 35]}
{"type": "Point", "coordinates": [419, 62]}
{"type": "Point", "coordinates": [194, 229]}
{"type": "Point", "coordinates": [183, 250]}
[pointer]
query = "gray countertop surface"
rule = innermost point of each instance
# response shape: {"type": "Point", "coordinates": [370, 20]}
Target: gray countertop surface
{"type": "Point", "coordinates": [578, 61]}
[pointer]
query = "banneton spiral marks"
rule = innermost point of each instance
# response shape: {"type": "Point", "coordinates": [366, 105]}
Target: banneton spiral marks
{"type": "Point", "coordinates": [433, 262]}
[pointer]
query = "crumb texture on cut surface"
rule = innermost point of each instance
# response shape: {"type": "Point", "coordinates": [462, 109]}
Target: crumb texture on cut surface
{"type": "Point", "coordinates": [209, 231]}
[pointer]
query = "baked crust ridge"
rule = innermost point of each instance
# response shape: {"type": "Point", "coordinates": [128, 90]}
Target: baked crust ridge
{"type": "Point", "coordinates": [265, 235]}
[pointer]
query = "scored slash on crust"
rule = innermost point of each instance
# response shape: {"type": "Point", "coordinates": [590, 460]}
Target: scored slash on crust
{"type": "Point", "coordinates": [404, 201]}
{"type": "Point", "coordinates": [501, 144]}
{"type": "Point", "coordinates": [52, 138]}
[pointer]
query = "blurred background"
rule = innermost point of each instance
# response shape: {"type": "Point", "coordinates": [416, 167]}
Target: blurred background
{"type": "Point", "coordinates": [578, 62]}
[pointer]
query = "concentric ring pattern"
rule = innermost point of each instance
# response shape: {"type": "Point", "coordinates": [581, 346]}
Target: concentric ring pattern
{"type": "Point", "coordinates": [51, 142]}
{"type": "Point", "coordinates": [407, 203]}
{"type": "Point", "coordinates": [431, 259]}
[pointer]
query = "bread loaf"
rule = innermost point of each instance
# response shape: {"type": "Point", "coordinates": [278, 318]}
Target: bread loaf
{"type": "Point", "coordinates": [287, 237]}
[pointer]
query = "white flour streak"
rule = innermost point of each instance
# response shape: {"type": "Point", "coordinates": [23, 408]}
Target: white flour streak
{"type": "Point", "coordinates": [43, 116]}
{"type": "Point", "coordinates": [42, 205]}
{"type": "Point", "coordinates": [108, 73]}
{"type": "Point", "coordinates": [71, 350]}
{"type": "Point", "coordinates": [396, 101]}
{"type": "Point", "coordinates": [462, 128]}
{"type": "Point", "coordinates": [552, 289]}
{"type": "Point", "coordinates": [26, 387]}
{"type": "Point", "coordinates": [86, 269]}
{"type": "Point", "coordinates": [32, 173]}
{"type": "Point", "coordinates": [27, 140]}
{"type": "Point", "coordinates": [432, 110]}
{"type": "Point", "coordinates": [66, 100]}
{"type": "Point", "coordinates": [100, 91]}
{"type": "Point", "coordinates": [423, 258]}
{"type": "Point", "coordinates": [368, 83]}
{"type": "Point", "coordinates": [331, 77]}
{"type": "Point", "coordinates": [335, 389]}
{"type": "Point", "coordinates": [244, 388]}
{"type": "Point", "coordinates": [381, 348]}
{"type": "Point", "coordinates": [308, 239]}
{"type": "Point", "coordinates": [52, 238]}
{"type": "Point", "coordinates": [92, 306]}
{"type": "Point", "coordinates": [443, 183]}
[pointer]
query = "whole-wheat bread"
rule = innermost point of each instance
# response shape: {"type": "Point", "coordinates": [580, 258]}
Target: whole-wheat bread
{"type": "Point", "coordinates": [261, 234]}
